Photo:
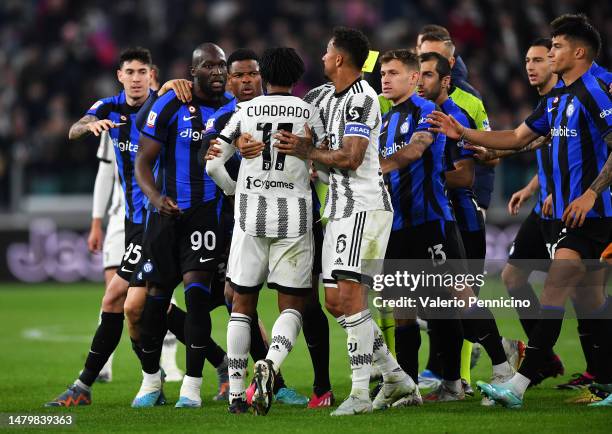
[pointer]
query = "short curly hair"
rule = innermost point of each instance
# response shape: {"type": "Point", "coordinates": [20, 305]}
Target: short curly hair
{"type": "Point", "coordinates": [354, 43]}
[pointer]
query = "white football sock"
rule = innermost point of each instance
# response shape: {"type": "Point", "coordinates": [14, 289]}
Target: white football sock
{"type": "Point", "coordinates": [82, 385]}
{"type": "Point", "coordinates": [108, 366]}
{"type": "Point", "coordinates": [390, 369]}
{"type": "Point", "coordinates": [284, 334]}
{"type": "Point", "coordinates": [503, 369]}
{"type": "Point", "coordinates": [168, 355]}
{"type": "Point", "coordinates": [238, 345]}
{"type": "Point", "coordinates": [454, 386]}
{"type": "Point", "coordinates": [360, 342]}
{"type": "Point", "coordinates": [519, 384]}
{"type": "Point", "coordinates": [191, 388]}
{"type": "Point", "coordinates": [150, 383]}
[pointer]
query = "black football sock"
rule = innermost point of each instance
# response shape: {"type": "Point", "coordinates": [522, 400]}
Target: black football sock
{"type": "Point", "coordinates": [586, 329]}
{"type": "Point", "coordinates": [153, 328]}
{"type": "Point", "coordinates": [602, 344]}
{"type": "Point", "coordinates": [197, 327]}
{"type": "Point", "coordinates": [434, 364]}
{"type": "Point", "coordinates": [407, 344]}
{"type": "Point", "coordinates": [480, 326]}
{"type": "Point", "coordinates": [449, 333]}
{"type": "Point", "coordinates": [176, 322]}
{"type": "Point", "coordinates": [279, 382]}
{"type": "Point", "coordinates": [259, 349]}
{"type": "Point", "coordinates": [316, 334]}
{"type": "Point", "coordinates": [137, 350]}
{"type": "Point", "coordinates": [543, 338]}
{"type": "Point", "coordinates": [527, 315]}
{"type": "Point", "coordinates": [105, 341]}
{"type": "Point", "coordinates": [214, 353]}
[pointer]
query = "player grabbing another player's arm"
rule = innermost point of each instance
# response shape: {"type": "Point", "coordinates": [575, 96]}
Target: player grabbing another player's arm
{"type": "Point", "coordinates": [359, 215]}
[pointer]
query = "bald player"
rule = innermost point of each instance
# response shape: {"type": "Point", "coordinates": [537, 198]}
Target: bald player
{"type": "Point", "coordinates": [183, 238]}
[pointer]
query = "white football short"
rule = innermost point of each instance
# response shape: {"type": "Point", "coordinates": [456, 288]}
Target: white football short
{"type": "Point", "coordinates": [114, 242]}
{"type": "Point", "coordinates": [285, 263]}
{"type": "Point", "coordinates": [349, 241]}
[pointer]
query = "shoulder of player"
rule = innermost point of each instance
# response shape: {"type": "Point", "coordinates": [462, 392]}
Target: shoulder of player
{"type": "Point", "coordinates": [319, 92]}
{"type": "Point", "coordinates": [168, 104]}
{"type": "Point", "coordinates": [113, 101]}
{"type": "Point", "coordinates": [589, 91]}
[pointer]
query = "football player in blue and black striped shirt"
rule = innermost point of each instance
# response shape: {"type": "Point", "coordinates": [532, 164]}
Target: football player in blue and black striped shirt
{"type": "Point", "coordinates": [183, 237]}
{"type": "Point", "coordinates": [423, 225]}
{"type": "Point", "coordinates": [116, 114]}
{"type": "Point", "coordinates": [578, 116]}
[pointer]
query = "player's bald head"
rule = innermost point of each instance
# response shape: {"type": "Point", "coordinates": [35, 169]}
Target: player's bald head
{"type": "Point", "coordinates": [205, 51]}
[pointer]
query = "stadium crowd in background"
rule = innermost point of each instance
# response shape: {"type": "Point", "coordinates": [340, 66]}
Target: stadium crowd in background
{"type": "Point", "coordinates": [50, 46]}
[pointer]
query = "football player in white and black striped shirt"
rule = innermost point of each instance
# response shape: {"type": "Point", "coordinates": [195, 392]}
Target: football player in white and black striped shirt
{"type": "Point", "coordinates": [272, 238]}
{"type": "Point", "coordinates": [359, 212]}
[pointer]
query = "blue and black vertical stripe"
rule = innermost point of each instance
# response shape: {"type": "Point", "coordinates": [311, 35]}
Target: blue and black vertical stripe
{"type": "Point", "coordinates": [418, 190]}
{"type": "Point", "coordinates": [469, 218]}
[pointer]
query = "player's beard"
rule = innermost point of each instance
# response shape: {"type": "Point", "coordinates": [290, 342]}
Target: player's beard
{"type": "Point", "coordinates": [207, 89]}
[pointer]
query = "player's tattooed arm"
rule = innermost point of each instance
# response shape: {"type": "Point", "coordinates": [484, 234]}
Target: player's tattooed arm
{"type": "Point", "coordinates": [484, 154]}
{"type": "Point", "coordinates": [348, 157]}
{"type": "Point", "coordinates": [576, 212]}
{"type": "Point", "coordinates": [604, 179]}
{"type": "Point", "coordinates": [89, 124]}
{"type": "Point", "coordinates": [148, 151]}
{"type": "Point", "coordinates": [419, 142]}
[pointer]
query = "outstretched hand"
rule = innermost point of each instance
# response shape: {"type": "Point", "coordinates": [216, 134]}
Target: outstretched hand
{"type": "Point", "coordinates": [445, 124]}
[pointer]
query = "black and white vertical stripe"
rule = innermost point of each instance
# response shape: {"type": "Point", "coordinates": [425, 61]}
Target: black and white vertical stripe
{"type": "Point", "coordinates": [243, 209]}
{"type": "Point", "coordinates": [260, 219]}
{"type": "Point", "coordinates": [283, 217]}
{"type": "Point", "coordinates": [355, 252]}
{"type": "Point", "coordinates": [303, 215]}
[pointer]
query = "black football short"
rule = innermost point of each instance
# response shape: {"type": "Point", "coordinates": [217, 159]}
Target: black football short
{"type": "Point", "coordinates": [534, 242]}
{"type": "Point", "coordinates": [133, 251]}
{"type": "Point", "coordinates": [193, 241]}
{"type": "Point", "coordinates": [432, 243]}
{"type": "Point", "coordinates": [589, 240]}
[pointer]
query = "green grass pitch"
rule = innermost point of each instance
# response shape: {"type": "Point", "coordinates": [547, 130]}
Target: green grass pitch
{"type": "Point", "coordinates": [45, 332]}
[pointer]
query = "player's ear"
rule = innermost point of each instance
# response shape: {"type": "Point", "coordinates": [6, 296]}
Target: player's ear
{"type": "Point", "coordinates": [446, 82]}
{"type": "Point", "coordinates": [119, 75]}
{"type": "Point", "coordinates": [339, 60]}
{"type": "Point", "coordinates": [192, 71]}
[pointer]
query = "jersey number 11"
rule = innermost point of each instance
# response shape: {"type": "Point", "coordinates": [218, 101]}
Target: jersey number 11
{"type": "Point", "coordinates": [266, 155]}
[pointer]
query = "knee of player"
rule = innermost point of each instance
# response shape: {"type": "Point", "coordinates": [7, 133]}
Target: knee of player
{"type": "Point", "coordinates": [112, 302]}
{"type": "Point", "coordinates": [132, 311]}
